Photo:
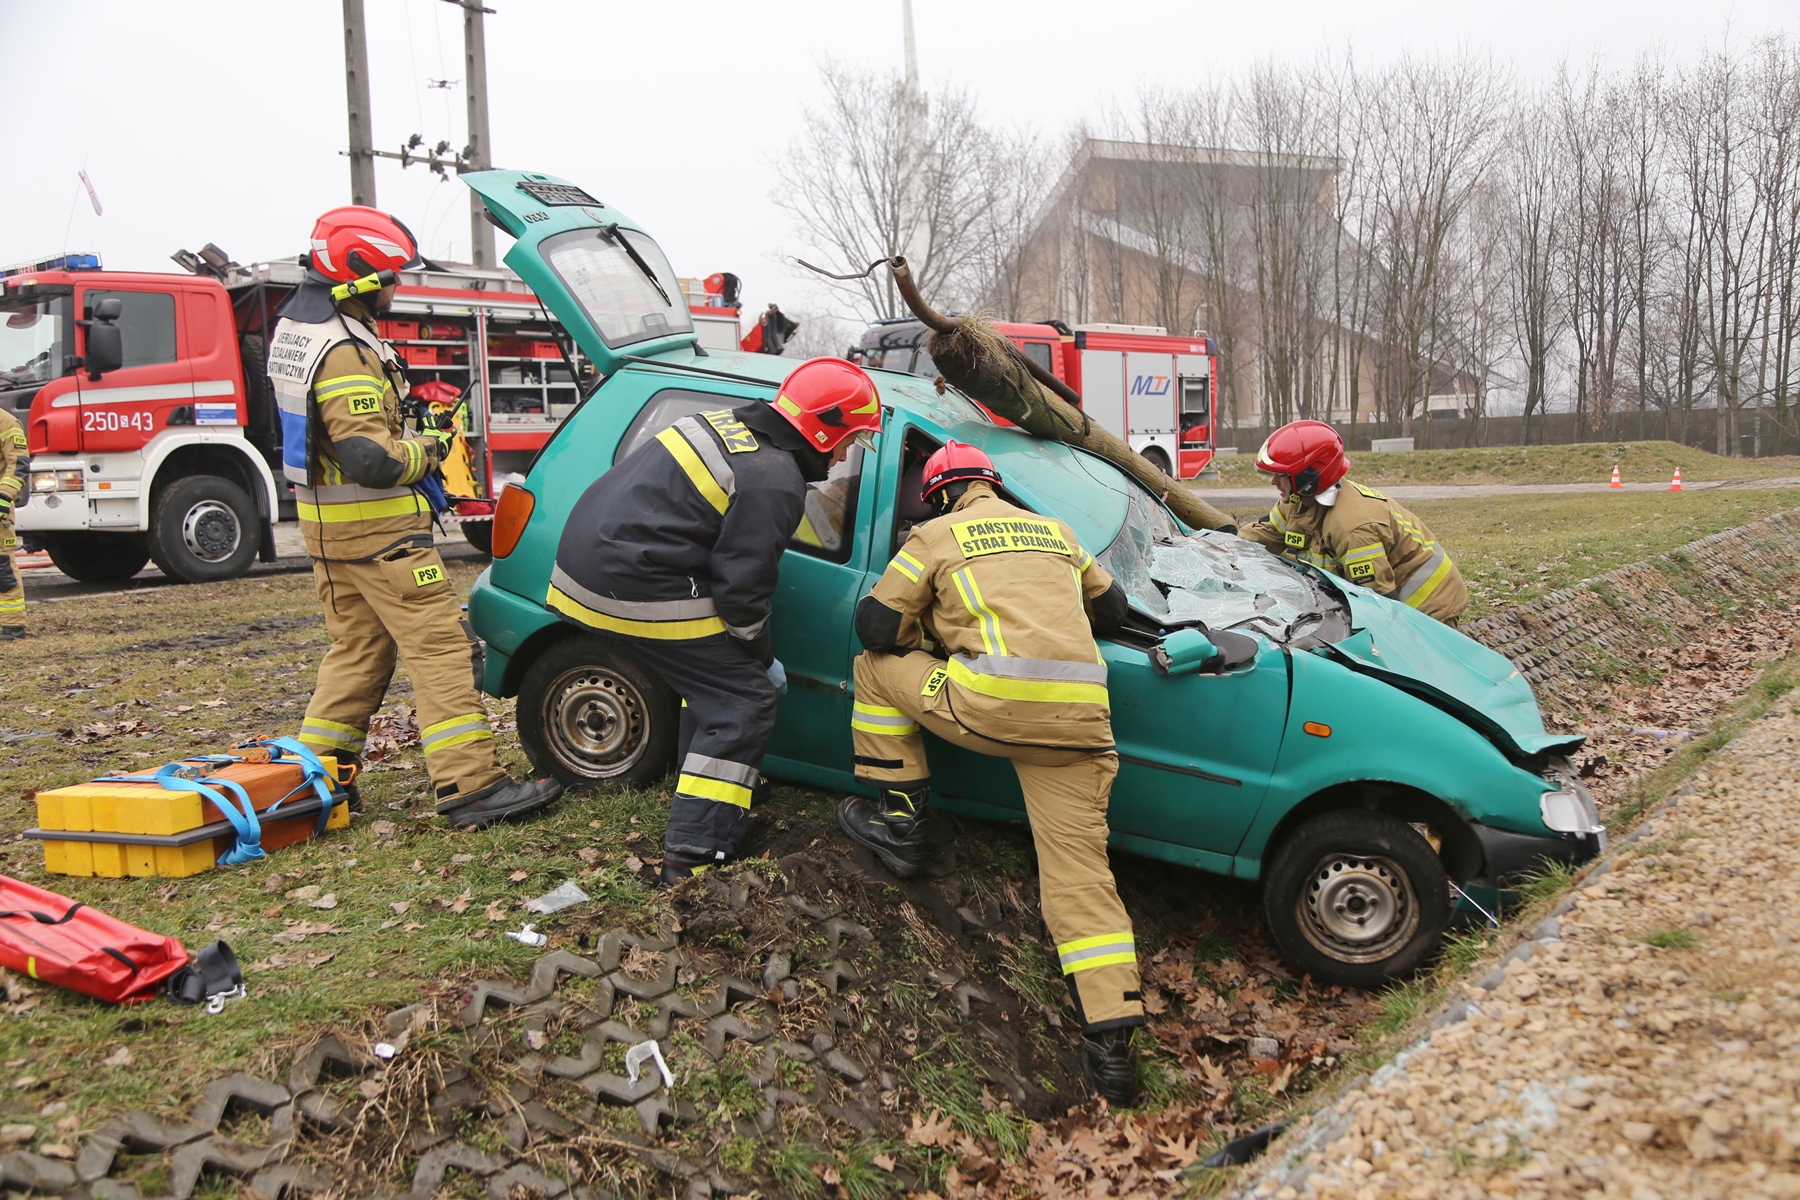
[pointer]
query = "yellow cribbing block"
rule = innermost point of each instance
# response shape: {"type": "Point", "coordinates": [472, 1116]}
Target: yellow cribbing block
{"type": "Point", "coordinates": [109, 860]}
{"type": "Point", "coordinates": [178, 862]}
{"type": "Point", "coordinates": [340, 818]}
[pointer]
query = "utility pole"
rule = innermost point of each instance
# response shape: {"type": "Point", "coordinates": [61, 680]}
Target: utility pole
{"type": "Point", "coordinates": [356, 88]}
{"type": "Point", "coordinates": [475, 156]}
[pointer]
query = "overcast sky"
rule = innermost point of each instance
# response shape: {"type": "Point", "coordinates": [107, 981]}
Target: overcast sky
{"type": "Point", "coordinates": [223, 120]}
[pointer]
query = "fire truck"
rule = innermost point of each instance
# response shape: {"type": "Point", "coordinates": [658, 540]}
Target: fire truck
{"type": "Point", "coordinates": [153, 431]}
{"type": "Point", "coordinates": [1157, 392]}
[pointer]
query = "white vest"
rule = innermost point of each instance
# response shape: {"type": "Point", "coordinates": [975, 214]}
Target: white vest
{"type": "Point", "coordinates": [295, 352]}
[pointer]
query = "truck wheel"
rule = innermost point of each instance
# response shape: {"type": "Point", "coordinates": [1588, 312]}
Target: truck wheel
{"type": "Point", "coordinates": [479, 534]}
{"type": "Point", "coordinates": [589, 712]}
{"type": "Point", "coordinates": [1357, 898]}
{"type": "Point", "coordinates": [98, 557]}
{"type": "Point", "coordinates": [1155, 457]}
{"type": "Point", "coordinates": [203, 529]}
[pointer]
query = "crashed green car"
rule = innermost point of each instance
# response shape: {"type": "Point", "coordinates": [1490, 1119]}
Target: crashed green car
{"type": "Point", "coordinates": [1362, 761]}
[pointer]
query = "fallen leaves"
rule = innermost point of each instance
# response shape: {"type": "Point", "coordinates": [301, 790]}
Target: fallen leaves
{"type": "Point", "coordinates": [118, 1058]}
{"type": "Point", "coordinates": [382, 828]}
{"type": "Point", "coordinates": [328, 900]}
{"type": "Point", "coordinates": [299, 931]}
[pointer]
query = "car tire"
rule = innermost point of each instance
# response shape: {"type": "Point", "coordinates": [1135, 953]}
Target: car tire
{"type": "Point", "coordinates": [204, 529]}
{"type": "Point", "coordinates": [98, 557]}
{"type": "Point", "coordinates": [590, 712]}
{"type": "Point", "coordinates": [1357, 898]}
{"type": "Point", "coordinates": [479, 534]}
{"type": "Point", "coordinates": [1158, 458]}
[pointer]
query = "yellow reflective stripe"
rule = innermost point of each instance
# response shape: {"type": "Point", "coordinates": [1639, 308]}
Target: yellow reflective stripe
{"type": "Point", "coordinates": [882, 720]}
{"type": "Point", "coordinates": [343, 384]}
{"type": "Point", "coordinates": [713, 789]}
{"type": "Point", "coordinates": [907, 565]}
{"type": "Point", "coordinates": [985, 617]}
{"type": "Point", "coordinates": [697, 474]}
{"type": "Point", "coordinates": [658, 630]}
{"type": "Point", "coordinates": [1277, 520]}
{"type": "Point", "coordinates": [1086, 561]}
{"type": "Point", "coordinates": [1003, 688]}
{"type": "Point", "coordinates": [415, 461]}
{"type": "Point", "coordinates": [474, 735]}
{"type": "Point", "coordinates": [1373, 550]}
{"type": "Point", "coordinates": [11, 481]}
{"type": "Point", "coordinates": [883, 730]}
{"type": "Point", "coordinates": [1104, 960]}
{"type": "Point", "coordinates": [1431, 584]}
{"type": "Point", "coordinates": [361, 510]}
{"type": "Point", "coordinates": [336, 726]}
{"type": "Point", "coordinates": [1088, 943]}
{"type": "Point", "coordinates": [12, 604]}
{"type": "Point", "coordinates": [1103, 950]}
{"type": "Point", "coordinates": [465, 719]}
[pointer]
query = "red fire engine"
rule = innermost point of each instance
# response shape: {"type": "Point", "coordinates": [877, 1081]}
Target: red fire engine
{"type": "Point", "coordinates": [1157, 392]}
{"type": "Point", "coordinates": [172, 452]}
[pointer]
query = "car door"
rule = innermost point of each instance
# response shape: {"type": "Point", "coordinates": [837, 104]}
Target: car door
{"type": "Point", "coordinates": [154, 386]}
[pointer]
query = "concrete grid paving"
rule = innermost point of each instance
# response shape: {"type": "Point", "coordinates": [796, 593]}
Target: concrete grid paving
{"type": "Point", "coordinates": [1643, 1045]}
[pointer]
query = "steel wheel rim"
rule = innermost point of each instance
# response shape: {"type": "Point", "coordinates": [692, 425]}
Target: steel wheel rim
{"type": "Point", "coordinates": [1358, 908]}
{"type": "Point", "coordinates": [597, 722]}
{"type": "Point", "coordinates": [210, 531]}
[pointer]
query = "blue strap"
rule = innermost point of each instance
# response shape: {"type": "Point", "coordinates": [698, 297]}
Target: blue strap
{"type": "Point", "coordinates": [314, 771]}
{"type": "Point", "coordinates": [244, 821]}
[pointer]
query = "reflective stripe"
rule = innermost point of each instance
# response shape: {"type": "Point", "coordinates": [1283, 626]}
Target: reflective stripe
{"type": "Point", "coordinates": [1086, 560]}
{"type": "Point", "coordinates": [713, 789]}
{"type": "Point", "coordinates": [748, 633]}
{"type": "Point", "coordinates": [415, 461]}
{"type": "Point", "coordinates": [334, 503]}
{"type": "Point", "coordinates": [470, 727]}
{"type": "Point", "coordinates": [320, 732]}
{"type": "Point", "coordinates": [1373, 550]}
{"type": "Point", "coordinates": [1084, 954]}
{"type": "Point", "coordinates": [11, 481]}
{"type": "Point", "coordinates": [693, 450]}
{"type": "Point", "coordinates": [1004, 687]}
{"type": "Point", "coordinates": [720, 768]}
{"type": "Point", "coordinates": [704, 446]}
{"type": "Point", "coordinates": [907, 565]}
{"type": "Point", "coordinates": [1035, 668]}
{"type": "Point", "coordinates": [1277, 520]}
{"type": "Point", "coordinates": [1423, 582]}
{"type": "Point", "coordinates": [658, 630]}
{"type": "Point", "coordinates": [349, 383]}
{"type": "Point", "coordinates": [989, 620]}
{"type": "Point", "coordinates": [12, 604]}
{"type": "Point", "coordinates": [879, 719]}
{"type": "Point", "coordinates": [636, 610]}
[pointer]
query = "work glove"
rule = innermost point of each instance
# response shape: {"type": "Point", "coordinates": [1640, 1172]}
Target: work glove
{"type": "Point", "coordinates": [441, 440]}
{"type": "Point", "coordinates": [6, 511]}
{"type": "Point", "coordinates": [778, 677]}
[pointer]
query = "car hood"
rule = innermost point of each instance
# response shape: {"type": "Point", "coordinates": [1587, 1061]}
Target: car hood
{"type": "Point", "coordinates": [1409, 650]}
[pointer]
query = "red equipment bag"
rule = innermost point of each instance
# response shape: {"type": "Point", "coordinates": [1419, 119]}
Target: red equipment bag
{"type": "Point", "coordinates": [62, 941]}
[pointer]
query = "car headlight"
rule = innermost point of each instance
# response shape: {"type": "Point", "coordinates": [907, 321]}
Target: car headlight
{"type": "Point", "coordinates": [1569, 812]}
{"type": "Point", "coordinates": [43, 481]}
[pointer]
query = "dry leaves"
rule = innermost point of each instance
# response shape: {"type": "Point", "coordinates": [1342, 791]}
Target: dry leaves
{"type": "Point", "coordinates": [299, 931]}
{"type": "Point", "coordinates": [382, 828]}
{"type": "Point", "coordinates": [118, 1058]}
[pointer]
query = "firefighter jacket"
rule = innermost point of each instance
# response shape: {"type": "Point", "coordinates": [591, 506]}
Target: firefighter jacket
{"type": "Point", "coordinates": [344, 445]}
{"type": "Point", "coordinates": [1005, 593]}
{"type": "Point", "coordinates": [15, 465]}
{"type": "Point", "coordinates": [683, 539]}
{"type": "Point", "coordinates": [1370, 540]}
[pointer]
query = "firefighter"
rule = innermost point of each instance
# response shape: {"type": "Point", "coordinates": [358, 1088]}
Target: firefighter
{"type": "Point", "coordinates": [1351, 530]}
{"type": "Point", "coordinates": [675, 552]}
{"type": "Point", "coordinates": [1010, 597]}
{"type": "Point", "coordinates": [15, 464]}
{"type": "Point", "coordinates": [365, 494]}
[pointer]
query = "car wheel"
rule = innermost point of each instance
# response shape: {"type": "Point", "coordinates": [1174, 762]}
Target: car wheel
{"type": "Point", "coordinates": [98, 557]}
{"type": "Point", "coordinates": [1155, 456]}
{"type": "Point", "coordinates": [479, 534]}
{"type": "Point", "coordinates": [590, 712]}
{"type": "Point", "coordinates": [1357, 898]}
{"type": "Point", "coordinates": [204, 529]}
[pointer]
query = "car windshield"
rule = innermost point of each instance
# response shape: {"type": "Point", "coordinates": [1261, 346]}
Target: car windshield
{"type": "Point", "coordinates": [32, 340]}
{"type": "Point", "coordinates": [1215, 579]}
{"type": "Point", "coordinates": [621, 300]}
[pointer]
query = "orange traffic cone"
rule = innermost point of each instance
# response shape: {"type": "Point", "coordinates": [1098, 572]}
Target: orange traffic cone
{"type": "Point", "coordinates": [1675, 483]}
{"type": "Point", "coordinates": [1616, 482]}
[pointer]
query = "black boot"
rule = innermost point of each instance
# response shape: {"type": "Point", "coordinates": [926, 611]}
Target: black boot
{"type": "Point", "coordinates": [1110, 1064]}
{"type": "Point", "coordinates": [893, 826]}
{"type": "Point", "coordinates": [11, 633]}
{"type": "Point", "coordinates": [677, 866]}
{"type": "Point", "coordinates": [508, 798]}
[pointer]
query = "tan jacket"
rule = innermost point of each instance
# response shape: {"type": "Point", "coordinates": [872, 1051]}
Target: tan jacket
{"type": "Point", "coordinates": [1004, 592]}
{"type": "Point", "coordinates": [12, 455]}
{"type": "Point", "coordinates": [1369, 540]}
{"type": "Point", "coordinates": [363, 504]}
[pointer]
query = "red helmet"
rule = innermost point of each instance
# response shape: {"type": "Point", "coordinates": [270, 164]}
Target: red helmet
{"type": "Point", "coordinates": [1308, 452]}
{"type": "Point", "coordinates": [351, 242]}
{"type": "Point", "coordinates": [829, 400]}
{"type": "Point", "coordinates": [956, 461]}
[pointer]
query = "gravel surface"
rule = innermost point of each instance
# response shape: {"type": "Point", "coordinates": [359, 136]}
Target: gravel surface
{"type": "Point", "coordinates": [1642, 1046]}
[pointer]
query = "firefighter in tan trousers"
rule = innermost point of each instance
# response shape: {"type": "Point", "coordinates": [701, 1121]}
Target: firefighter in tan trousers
{"type": "Point", "coordinates": [363, 491]}
{"type": "Point", "coordinates": [13, 465]}
{"type": "Point", "coordinates": [1007, 595]}
{"type": "Point", "coordinates": [1355, 532]}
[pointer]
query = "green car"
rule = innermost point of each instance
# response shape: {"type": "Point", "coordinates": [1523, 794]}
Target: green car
{"type": "Point", "coordinates": [1362, 761]}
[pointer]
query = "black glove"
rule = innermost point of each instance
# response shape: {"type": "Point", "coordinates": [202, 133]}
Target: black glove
{"type": "Point", "coordinates": [441, 434]}
{"type": "Point", "coordinates": [6, 510]}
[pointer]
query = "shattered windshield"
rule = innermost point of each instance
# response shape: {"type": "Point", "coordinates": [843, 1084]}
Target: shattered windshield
{"type": "Point", "coordinates": [1216, 579]}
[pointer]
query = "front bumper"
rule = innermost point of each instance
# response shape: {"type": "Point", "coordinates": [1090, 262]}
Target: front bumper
{"type": "Point", "coordinates": [1507, 853]}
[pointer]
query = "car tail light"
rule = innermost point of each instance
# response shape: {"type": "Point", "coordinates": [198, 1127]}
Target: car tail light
{"type": "Point", "coordinates": [510, 519]}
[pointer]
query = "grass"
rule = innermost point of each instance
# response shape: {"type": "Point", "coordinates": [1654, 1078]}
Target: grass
{"type": "Point", "coordinates": [1673, 938]}
{"type": "Point", "coordinates": [1588, 462]}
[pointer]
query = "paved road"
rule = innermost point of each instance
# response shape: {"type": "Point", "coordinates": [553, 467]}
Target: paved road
{"type": "Point", "coordinates": [1238, 497]}
{"type": "Point", "coordinates": [46, 584]}
{"type": "Point", "coordinates": [1646, 1045]}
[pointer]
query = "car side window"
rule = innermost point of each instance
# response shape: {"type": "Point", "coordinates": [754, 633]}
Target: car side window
{"type": "Point", "coordinates": [146, 325]}
{"type": "Point", "coordinates": [663, 410]}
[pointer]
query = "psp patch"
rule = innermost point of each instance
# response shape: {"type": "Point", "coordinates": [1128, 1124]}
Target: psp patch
{"type": "Point", "coordinates": [737, 438]}
{"type": "Point", "coordinates": [934, 682]}
{"type": "Point", "coordinates": [364, 405]}
{"type": "Point", "coordinates": [1294, 539]}
{"type": "Point", "coordinates": [426, 576]}
{"type": "Point", "coordinates": [1008, 535]}
{"type": "Point", "coordinates": [1362, 570]}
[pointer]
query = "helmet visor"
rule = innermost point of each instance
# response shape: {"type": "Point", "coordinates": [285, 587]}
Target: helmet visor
{"type": "Point", "coordinates": [864, 438]}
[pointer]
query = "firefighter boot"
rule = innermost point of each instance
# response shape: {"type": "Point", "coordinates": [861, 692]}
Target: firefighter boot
{"type": "Point", "coordinates": [508, 798]}
{"type": "Point", "coordinates": [677, 866]}
{"type": "Point", "coordinates": [894, 826]}
{"type": "Point", "coordinates": [11, 633]}
{"type": "Point", "coordinates": [1110, 1064]}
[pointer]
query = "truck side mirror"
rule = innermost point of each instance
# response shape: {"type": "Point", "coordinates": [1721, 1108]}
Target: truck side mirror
{"type": "Point", "coordinates": [105, 341]}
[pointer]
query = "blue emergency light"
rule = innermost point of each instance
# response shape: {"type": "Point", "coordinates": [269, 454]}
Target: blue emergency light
{"type": "Point", "coordinates": [62, 262]}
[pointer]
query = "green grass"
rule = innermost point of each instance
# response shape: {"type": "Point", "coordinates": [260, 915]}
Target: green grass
{"type": "Point", "coordinates": [1588, 462]}
{"type": "Point", "coordinates": [1547, 882]}
{"type": "Point", "coordinates": [1672, 938]}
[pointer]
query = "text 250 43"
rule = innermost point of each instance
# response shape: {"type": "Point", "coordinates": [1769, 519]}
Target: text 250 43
{"type": "Point", "coordinates": [106, 421]}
